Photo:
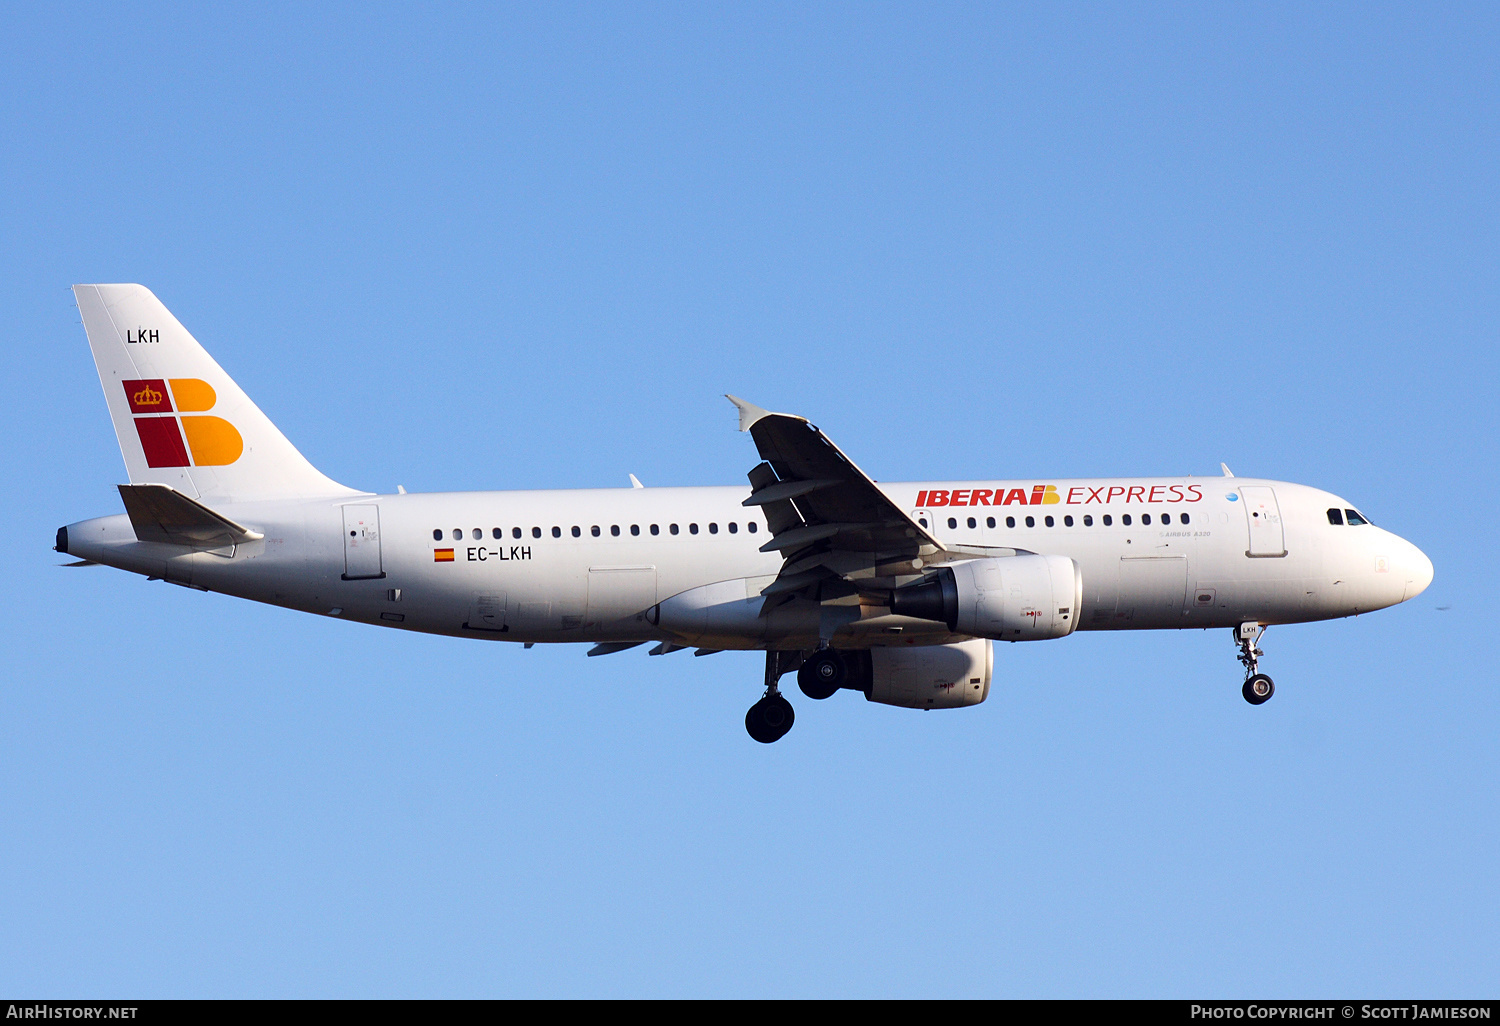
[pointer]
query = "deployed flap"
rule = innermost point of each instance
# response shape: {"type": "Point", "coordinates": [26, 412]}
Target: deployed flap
{"type": "Point", "coordinates": [833, 498]}
{"type": "Point", "coordinates": [162, 514]}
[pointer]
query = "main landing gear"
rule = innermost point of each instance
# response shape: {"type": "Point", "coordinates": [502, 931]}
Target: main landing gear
{"type": "Point", "coordinates": [819, 674]}
{"type": "Point", "coordinates": [769, 719]}
{"type": "Point", "coordinates": [1258, 687]}
{"type": "Point", "coordinates": [823, 674]}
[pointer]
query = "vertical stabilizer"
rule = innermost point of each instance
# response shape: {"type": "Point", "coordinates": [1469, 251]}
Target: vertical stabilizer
{"type": "Point", "coordinates": [180, 420]}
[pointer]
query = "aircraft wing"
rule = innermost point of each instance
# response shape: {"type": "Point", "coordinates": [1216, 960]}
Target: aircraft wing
{"type": "Point", "coordinates": [827, 517]}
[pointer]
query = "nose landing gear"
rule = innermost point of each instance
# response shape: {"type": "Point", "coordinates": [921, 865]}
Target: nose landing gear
{"type": "Point", "coordinates": [1258, 687]}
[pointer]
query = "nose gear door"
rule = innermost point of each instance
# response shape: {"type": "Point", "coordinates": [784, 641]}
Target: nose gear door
{"type": "Point", "coordinates": [1267, 538]}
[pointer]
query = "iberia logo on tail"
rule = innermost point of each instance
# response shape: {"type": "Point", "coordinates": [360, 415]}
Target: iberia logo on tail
{"type": "Point", "coordinates": [163, 427]}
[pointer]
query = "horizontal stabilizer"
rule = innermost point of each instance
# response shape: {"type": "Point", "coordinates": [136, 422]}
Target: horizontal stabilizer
{"type": "Point", "coordinates": [159, 513]}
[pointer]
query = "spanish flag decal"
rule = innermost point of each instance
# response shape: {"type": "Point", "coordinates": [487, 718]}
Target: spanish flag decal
{"type": "Point", "coordinates": [442, 555]}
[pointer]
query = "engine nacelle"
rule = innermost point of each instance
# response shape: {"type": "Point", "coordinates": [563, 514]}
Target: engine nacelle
{"type": "Point", "coordinates": [1013, 598]}
{"type": "Point", "coordinates": [929, 677]}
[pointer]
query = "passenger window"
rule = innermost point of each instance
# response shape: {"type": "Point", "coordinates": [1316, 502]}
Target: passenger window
{"type": "Point", "coordinates": [1048, 521]}
{"type": "Point", "coordinates": [1010, 521]}
{"type": "Point", "coordinates": [673, 528]}
{"type": "Point", "coordinates": [713, 528]}
{"type": "Point", "coordinates": [1067, 521]}
{"type": "Point", "coordinates": [437, 535]}
{"type": "Point", "coordinates": [973, 523]}
{"type": "Point", "coordinates": [458, 534]}
{"type": "Point", "coordinates": [614, 530]}
{"type": "Point", "coordinates": [1031, 521]}
{"type": "Point", "coordinates": [536, 532]}
{"type": "Point", "coordinates": [1088, 520]}
{"type": "Point", "coordinates": [692, 528]}
{"type": "Point", "coordinates": [1109, 521]}
{"type": "Point", "coordinates": [577, 531]}
{"type": "Point", "coordinates": [922, 521]}
{"type": "Point", "coordinates": [556, 532]}
{"type": "Point", "coordinates": [1355, 520]}
{"type": "Point", "coordinates": [1336, 517]}
{"type": "Point", "coordinates": [1183, 518]}
{"type": "Point", "coordinates": [1166, 518]}
{"type": "Point", "coordinates": [734, 528]}
{"type": "Point", "coordinates": [1125, 520]}
{"type": "Point", "coordinates": [752, 527]}
{"type": "Point", "coordinates": [497, 533]}
{"type": "Point", "coordinates": [1146, 519]}
{"type": "Point", "coordinates": [635, 530]}
{"type": "Point", "coordinates": [989, 521]}
{"type": "Point", "coordinates": [952, 523]}
{"type": "Point", "coordinates": [477, 533]}
{"type": "Point", "coordinates": [515, 532]}
{"type": "Point", "coordinates": [594, 530]}
{"type": "Point", "coordinates": [656, 529]}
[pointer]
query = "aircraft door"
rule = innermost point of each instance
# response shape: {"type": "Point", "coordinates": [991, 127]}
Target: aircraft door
{"type": "Point", "coordinates": [362, 543]}
{"type": "Point", "coordinates": [1267, 538]}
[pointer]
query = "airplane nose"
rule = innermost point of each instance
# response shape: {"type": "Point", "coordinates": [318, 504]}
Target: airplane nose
{"type": "Point", "coordinates": [1418, 570]}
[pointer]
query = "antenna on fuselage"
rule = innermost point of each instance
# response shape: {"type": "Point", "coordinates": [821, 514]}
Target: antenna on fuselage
{"type": "Point", "coordinates": [1227, 472]}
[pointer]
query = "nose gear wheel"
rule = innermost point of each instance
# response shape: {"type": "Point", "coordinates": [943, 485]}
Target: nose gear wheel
{"type": "Point", "coordinates": [1258, 688]}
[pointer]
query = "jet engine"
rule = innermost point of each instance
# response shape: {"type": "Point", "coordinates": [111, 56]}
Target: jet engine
{"type": "Point", "coordinates": [929, 677]}
{"type": "Point", "coordinates": [1013, 598]}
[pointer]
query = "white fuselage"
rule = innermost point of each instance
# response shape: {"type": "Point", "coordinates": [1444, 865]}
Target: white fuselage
{"type": "Point", "coordinates": [589, 565]}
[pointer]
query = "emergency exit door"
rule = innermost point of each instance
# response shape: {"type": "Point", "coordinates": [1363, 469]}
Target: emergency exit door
{"type": "Point", "coordinates": [362, 543]}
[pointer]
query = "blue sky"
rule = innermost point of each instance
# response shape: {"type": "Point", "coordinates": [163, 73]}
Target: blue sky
{"type": "Point", "coordinates": [531, 246]}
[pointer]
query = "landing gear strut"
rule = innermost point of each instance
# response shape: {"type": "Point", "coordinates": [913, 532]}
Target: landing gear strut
{"type": "Point", "coordinates": [1258, 687]}
{"type": "Point", "coordinates": [769, 719]}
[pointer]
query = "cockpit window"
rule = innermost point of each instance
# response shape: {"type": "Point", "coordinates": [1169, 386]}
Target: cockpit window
{"type": "Point", "coordinates": [1336, 517]}
{"type": "Point", "coordinates": [1354, 518]}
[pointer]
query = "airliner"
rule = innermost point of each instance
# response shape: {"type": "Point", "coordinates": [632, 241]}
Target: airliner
{"type": "Point", "coordinates": [893, 590]}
